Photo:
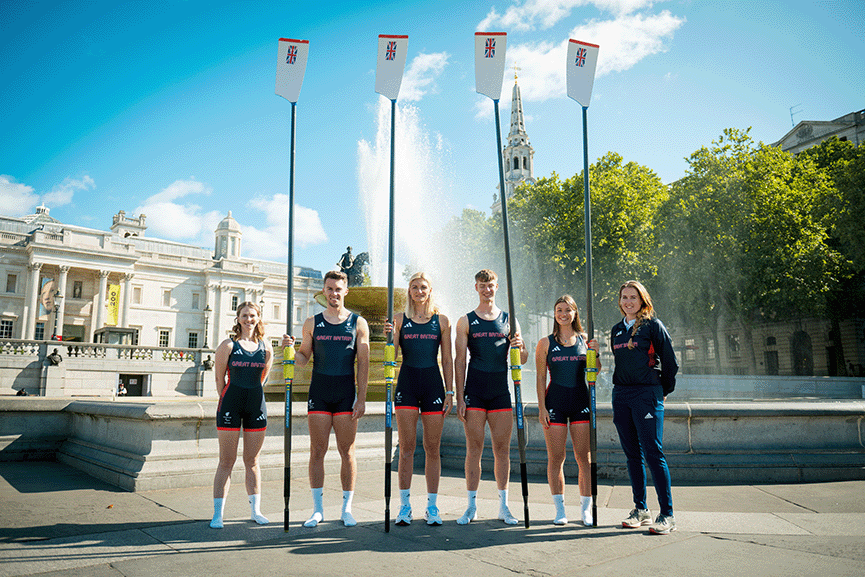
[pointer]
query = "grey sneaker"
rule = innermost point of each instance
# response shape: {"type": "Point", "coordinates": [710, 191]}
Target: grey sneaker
{"type": "Point", "coordinates": [637, 518]}
{"type": "Point", "coordinates": [663, 525]}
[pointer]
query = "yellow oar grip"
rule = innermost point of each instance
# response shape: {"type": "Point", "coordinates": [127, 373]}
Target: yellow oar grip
{"type": "Point", "coordinates": [591, 366]}
{"type": "Point", "coordinates": [288, 363]}
{"type": "Point", "coordinates": [516, 369]}
{"type": "Point", "coordinates": [389, 361]}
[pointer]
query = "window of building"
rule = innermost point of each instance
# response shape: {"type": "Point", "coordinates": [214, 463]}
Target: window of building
{"type": "Point", "coordinates": [733, 349]}
{"type": "Point", "coordinates": [77, 289]}
{"type": "Point", "coordinates": [135, 334]}
{"type": "Point", "coordinates": [166, 298]}
{"type": "Point", "coordinates": [11, 283]}
{"type": "Point", "coordinates": [526, 162]}
{"type": "Point", "coordinates": [276, 343]}
{"type": "Point", "coordinates": [196, 298]}
{"type": "Point", "coordinates": [710, 349]}
{"type": "Point", "coordinates": [136, 295]}
{"type": "Point", "coordinates": [234, 302]}
{"type": "Point", "coordinates": [164, 336]}
{"type": "Point", "coordinates": [771, 341]}
{"type": "Point", "coordinates": [298, 315]}
{"type": "Point", "coordinates": [193, 340]}
{"type": "Point", "coordinates": [39, 332]}
{"type": "Point", "coordinates": [276, 311]}
{"type": "Point", "coordinates": [690, 350]}
{"type": "Point", "coordinates": [6, 329]}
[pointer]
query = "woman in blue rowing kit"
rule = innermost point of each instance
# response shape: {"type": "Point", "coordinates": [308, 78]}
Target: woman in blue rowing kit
{"type": "Point", "coordinates": [242, 365]}
{"type": "Point", "coordinates": [420, 333]}
{"type": "Point", "coordinates": [563, 405]}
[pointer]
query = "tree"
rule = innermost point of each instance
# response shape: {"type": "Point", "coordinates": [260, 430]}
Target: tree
{"type": "Point", "coordinates": [549, 216]}
{"type": "Point", "coordinates": [745, 238]}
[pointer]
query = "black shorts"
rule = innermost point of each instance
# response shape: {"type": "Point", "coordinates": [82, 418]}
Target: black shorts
{"type": "Point", "coordinates": [241, 406]}
{"type": "Point", "coordinates": [487, 392]}
{"type": "Point", "coordinates": [331, 395]}
{"type": "Point", "coordinates": [420, 389]}
{"type": "Point", "coordinates": [567, 404]}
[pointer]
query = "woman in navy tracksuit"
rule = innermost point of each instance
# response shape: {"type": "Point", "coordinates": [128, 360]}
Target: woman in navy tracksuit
{"type": "Point", "coordinates": [645, 374]}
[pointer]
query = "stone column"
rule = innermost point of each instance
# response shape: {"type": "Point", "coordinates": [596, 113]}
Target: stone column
{"type": "Point", "coordinates": [209, 324]}
{"type": "Point", "coordinates": [61, 312]}
{"type": "Point", "coordinates": [100, 303]}
{"type": "Point", "coordinates": [127, 299]}
{"type": "Point", "coordinates": [31, 303]}
{"type": "Point", "coordinates": [218, 313]}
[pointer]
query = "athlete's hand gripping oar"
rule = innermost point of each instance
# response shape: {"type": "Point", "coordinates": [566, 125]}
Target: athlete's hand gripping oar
{"type": "Point", "coordinates": [390, 64]}
{"type": "Point", "coordinates": [290, 68]}
{"type": "Point", "coordinates": [517, 376]}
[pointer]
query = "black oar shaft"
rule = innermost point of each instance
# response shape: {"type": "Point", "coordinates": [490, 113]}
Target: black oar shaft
{"type": "Point", "coordinates": [388, 430]}
{"type": "Point", "coordinates": [590, 324]}
{"type": "Point", "coordinates": [512, 318]}
{"type": "Point", "coordinates": [289, 308]}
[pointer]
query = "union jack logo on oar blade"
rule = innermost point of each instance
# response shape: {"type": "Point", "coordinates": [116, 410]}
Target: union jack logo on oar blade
{"type": "Point", "coordinates": [389, 68]}
{"type": "Point", "coordinates": [581, 57]}
{"type": "Point", "coordinates": [290, 67]}
{"type": "Point", "coordinates": [581, 63]}
{"type": "Point", "coordinates": [490, 48]}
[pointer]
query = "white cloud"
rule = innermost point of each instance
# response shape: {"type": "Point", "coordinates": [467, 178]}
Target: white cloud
{"type": "Point", "coordinates": [272, 241]}
{"type": "Point", "coordinates": [16, 199]}
{"type": "Point", "coordinates": [62, 193]}
{"type": "Point", "coordinates": [421, 75]}
{"type": "Point", "coordinates": [624, 40]}
{"type": "Point", "coordinates": [543, 14]}
{"type": "Point", "coordinates": [180, 221]}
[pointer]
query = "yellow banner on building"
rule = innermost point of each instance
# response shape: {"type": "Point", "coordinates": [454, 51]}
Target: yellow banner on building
{"type": "Point", "coordinates": [113, 304]}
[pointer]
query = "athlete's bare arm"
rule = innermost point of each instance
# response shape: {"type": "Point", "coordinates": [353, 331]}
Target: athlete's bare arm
{"type": "Point", "coordinates": [461, 349]}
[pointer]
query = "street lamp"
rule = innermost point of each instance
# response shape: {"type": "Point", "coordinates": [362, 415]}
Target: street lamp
{"type": "Point", "coordinates": [58, 296]}
{"type": "Point", "coordinates": [207, 310]}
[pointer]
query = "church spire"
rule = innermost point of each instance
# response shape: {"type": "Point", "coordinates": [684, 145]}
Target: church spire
{"type": "Point", "coordinates": [518, 154]}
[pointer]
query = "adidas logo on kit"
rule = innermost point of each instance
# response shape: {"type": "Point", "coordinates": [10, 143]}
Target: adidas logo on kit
{"type": "Point", "coordinates": [321, 324]}
{"type": "Point", "coordinates": [555, 348]}
{"type": "Point", "coordinates": [438, 401]}
{"type": "Point", "coordinates": [476, 322]}
{"type": "Point", "coordinates": [648, 416]}
{"type": "Point", "coordinates": [407, 325]}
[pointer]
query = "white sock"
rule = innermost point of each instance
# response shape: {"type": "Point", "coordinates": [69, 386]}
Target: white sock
{"type": "Point", "coordinates": [405, 497]}
{"type": "Point", "coordinates": [255, 505]}
{"type": "Point", "coordinates": [559, 501]}
{"type": "Point", "coordinates": [471, 511]}
{"type": "Point", "coordinates": [218, 508]}
{"type": "Point", "coordinates": [431, 500]}
{"type": "Point", "coordinates": [317, 508]}
{"type": "Point", "coordinates": [347, 518]}
{"type": "Point", "coordinates": [586, 510]}
{"type": "Point", "coordinates": [504, 512]}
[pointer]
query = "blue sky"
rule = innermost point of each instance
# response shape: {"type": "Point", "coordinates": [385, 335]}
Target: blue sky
{"type": "Point", "coordinates": [168, 108]}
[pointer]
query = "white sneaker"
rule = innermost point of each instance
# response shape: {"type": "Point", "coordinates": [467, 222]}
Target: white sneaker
{"type": "Point", "coordinates": [432, 516]}
{"type": "Point", "coordinates": [505, 515]}
{"type": "Point", "coordinates": [470, 515]}
{"type": "Point", "coordinates": [404, 517]}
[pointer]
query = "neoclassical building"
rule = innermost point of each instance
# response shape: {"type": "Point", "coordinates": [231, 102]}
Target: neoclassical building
{"type": "Point", "coordinates": [118, 285]}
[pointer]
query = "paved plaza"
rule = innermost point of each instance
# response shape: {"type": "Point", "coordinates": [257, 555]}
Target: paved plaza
{"type": "Point", "coordinates": [55, 520]}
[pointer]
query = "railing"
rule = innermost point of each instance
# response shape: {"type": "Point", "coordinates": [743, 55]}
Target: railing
{"type": "Point", "coordinates": [76, 350]}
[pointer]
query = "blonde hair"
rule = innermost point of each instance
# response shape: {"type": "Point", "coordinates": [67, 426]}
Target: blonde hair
{"type": "Point", "coordinates": [430, 308]}
{"type": "Point", "coordinates": [258, 333]}
{"type": "Point", "coordinates": [647, 311]}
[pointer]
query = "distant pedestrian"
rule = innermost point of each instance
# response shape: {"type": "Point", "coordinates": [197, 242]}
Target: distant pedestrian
{"type": "Point", "coordinates": [242, 365]}
{"type": "Point", "coordinates": [645, 374]}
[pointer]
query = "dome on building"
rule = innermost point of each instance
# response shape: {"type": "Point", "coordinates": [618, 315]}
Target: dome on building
{"type": "Point", "coordinates": [41, 216]}
{"type": "Point", "coordinates": [228, 223]}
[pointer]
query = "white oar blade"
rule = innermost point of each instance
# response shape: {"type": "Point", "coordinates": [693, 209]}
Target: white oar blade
{"type": "Point", "coordinates": [490, 63]}
{"type": "Point", "coordinates": [290, 67]}
{"type": "Point", "coordinates": [582, 61]}
{"type": "Point", "coordinates": [390, 64]}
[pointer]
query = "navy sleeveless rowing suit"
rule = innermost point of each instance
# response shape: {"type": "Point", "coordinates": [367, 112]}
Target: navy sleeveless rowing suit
{"type": "Point", "coordinates": [420, 385]}
{"type": "Point", "coordinates": [487, 377]}
{"type": "Point", "coordinates": [334, 347]}
{"type": "Point", "coordinates": [567, 396]}
{"type": "Point", "coordinates": [242, 400]}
